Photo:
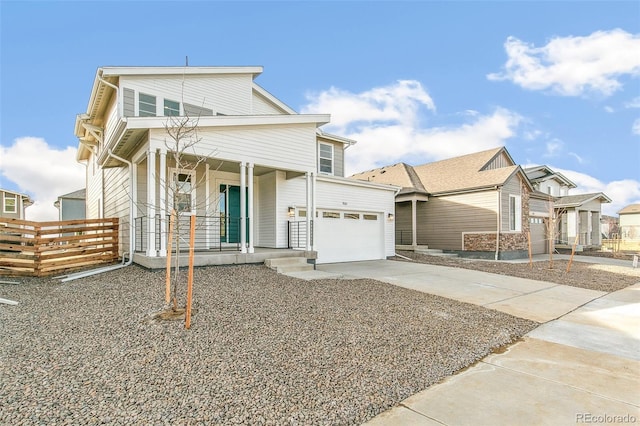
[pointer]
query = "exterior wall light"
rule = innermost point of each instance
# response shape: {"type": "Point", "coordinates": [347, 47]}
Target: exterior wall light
{"type": "Point", "coordinates": [390, 217]}
{"type": "Point", "coordinates": [291, 211]}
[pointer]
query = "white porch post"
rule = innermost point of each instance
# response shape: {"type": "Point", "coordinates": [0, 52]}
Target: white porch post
{"type": "Point", "coordinates": [163, 203]}
{"type": "Point", "coordinates": [250, 208]}
{"type": "Point", "coordinates": [414, 222]}
{"type": "Point", "coordinates": [309, 210]}
{"type": "Point", "coordinates": [151, 203]}
{"type": "Point", "coordinates": [243, 207]}
{"type": "Point", "coordinates": [313, 209]}
{"type": "Point", "coordinates": [207, 200]}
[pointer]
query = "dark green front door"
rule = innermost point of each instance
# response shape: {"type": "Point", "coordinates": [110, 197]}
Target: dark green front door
{"type": "Point", "coordinates": [230, 211]}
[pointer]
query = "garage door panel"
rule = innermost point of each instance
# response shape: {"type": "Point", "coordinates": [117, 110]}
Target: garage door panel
{"type": "Point", "coordinates": [538, 236]}
{"type": "Point", "coordinates": [349, 237]}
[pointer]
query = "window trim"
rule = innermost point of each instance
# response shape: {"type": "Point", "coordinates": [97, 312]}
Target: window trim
{"type": "Point", "coordinates": [320, 158]}
{"type": "Point", "coordinates": [192, 179]}
{"type": "Point", "coordinates": [155, 105]}
{"type": "Point", "coordinates": [515, 213]}
{"type": "Point", "coordinates": [14, 197]}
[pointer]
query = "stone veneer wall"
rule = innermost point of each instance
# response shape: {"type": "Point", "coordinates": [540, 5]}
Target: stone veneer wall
{"type": "Point", "coordinates": [509, 241]}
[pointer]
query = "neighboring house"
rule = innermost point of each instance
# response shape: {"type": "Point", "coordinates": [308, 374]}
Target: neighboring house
{"type": "Point", "coordinates": [476, 205]}
{"type": "Point", "coordinates": [13, 204]}
{"type": "Point", "coordinates": [574, 216]}
{"type": "Point", "coordinates": [71, 206]}
{"type": "Point", "coordinates": [630, 222]}
{"type": "Point", "coordinates": [609, 226]}
{"type": "Point", "coordinates": [265, 176]}
{"type": "Point", "coordinates": [580, 220]}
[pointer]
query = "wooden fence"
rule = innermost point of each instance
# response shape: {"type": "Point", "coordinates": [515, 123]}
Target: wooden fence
{"type": "Point", "coordinates": [45, 248]}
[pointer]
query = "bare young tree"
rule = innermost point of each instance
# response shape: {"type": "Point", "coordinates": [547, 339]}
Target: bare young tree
{"type": "Point", "coordinates": [552, 227]}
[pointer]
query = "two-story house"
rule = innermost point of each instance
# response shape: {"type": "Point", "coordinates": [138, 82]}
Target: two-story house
{"type": "Point", "coordinates": [210, 142]}
{"type": "Point", "coordinates": [13, 204]}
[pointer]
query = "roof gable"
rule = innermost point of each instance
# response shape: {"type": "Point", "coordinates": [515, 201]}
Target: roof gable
{"type": "Point", "coordinates": [580, 199]}
{"type": "Point", "coordinates": [630, 209]}
{"type": "Point", "coordinates": [543, 173]}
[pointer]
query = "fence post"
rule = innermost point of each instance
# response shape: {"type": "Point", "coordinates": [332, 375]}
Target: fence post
{"type": "Point", "coordinates": [37, 255]}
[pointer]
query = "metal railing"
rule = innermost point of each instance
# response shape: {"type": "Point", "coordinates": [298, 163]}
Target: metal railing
{"type": "Point", "coordinates": [404, 237]}
{"type": "Point", "coordinates": [212, 232]}
{"type": "Point", "coordinates": [297, 234]}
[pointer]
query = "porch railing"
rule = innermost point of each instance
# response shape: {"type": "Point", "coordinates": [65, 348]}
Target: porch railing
{"type": "Point", "coordinates": [212, 232]}
{"type": "Point", "coordinates": [297, 234]}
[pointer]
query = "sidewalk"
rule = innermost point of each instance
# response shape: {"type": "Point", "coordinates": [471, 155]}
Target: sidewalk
{"type": "Point", "coordinates": [581, 368]}
{"type": "Point", "coordinates": [582, 365]}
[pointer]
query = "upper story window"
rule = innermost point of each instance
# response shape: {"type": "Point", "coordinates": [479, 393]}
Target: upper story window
{"type": "Point", "coordinates": [325, 158]}
{"type": "Point", "coordinates": [515, 213]}
{"type": "Point", "coordinates": [10, 203]}
{"type": "Point", "coordinates": [171, 108]}
{"type": "Point", "coordinates": [147, 105]}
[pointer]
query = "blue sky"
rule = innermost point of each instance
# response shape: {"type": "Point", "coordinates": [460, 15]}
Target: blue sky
{"type": "Point", "coordinates": [557, 83]}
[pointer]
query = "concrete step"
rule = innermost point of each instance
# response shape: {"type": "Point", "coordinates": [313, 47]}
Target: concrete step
{"type": "Point", "coordinates": [285, 265]}
{"type": "Point", "coordinates": [434, 252]}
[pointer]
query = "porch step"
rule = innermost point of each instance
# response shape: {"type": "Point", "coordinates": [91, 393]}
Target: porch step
{"type": "Point", "coordinates": [285, 265]}
{"type": "Point", "coordinates": [434, 252]}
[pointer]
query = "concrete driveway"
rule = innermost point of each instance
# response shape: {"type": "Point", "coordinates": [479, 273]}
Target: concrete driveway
{"type": "Point", "coordinates": [535, 300]}
{"type": "Point", "coordinates": [582, 366]}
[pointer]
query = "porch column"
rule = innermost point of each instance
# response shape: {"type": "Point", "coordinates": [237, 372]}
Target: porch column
{"type": "Point", "coordinates": [243, 207]}
{"type": "Point", "coordinates": [151, 203]}
{"type": "Point", "coordinates": [309, 211]}
{"type": "Point", "coordinates": [414, 222]}
{"type": "Point", "coordinates": [163, 203]}
{"type": "Point", "coordinates": [314, 183]}
{"type": "Point", "coordinates": [250, 207]}
{"type": "Point", "coordinates": [207, 200]}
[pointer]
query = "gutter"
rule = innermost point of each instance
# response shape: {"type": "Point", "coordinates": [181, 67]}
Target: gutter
{"type": "Point", "coordinates": [84, 274]}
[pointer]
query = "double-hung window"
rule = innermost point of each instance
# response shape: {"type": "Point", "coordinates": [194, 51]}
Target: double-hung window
{"type": "Point", "coordinates": [325, 158]}
{"type": "Point", "coordinates": [10, 203]}
{"type": "Point", "coordinates": [515, 213]}
{"type": "Point", "coordinates": [146, 105]}
{"type": "Point", "coordinates": [171, 108]}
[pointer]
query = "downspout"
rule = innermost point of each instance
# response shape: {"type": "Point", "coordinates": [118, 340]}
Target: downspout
{"type": "Point", "coordinates": [499, 222]}
{"type": "Point", "coordinates": [77, 275]}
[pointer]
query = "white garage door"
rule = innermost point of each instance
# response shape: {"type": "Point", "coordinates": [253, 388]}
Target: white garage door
{"type": "Point", "coordinates": [538, 235]}
{"type": "Point", "coordinates": [344, 236]}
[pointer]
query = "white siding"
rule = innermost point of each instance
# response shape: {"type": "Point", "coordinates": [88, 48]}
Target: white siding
{"type": "Point", "coordinates": [225, 94]}
{"type": "Point", "coordinates": [94, 188]}
{"type": "Point", "coordinates": [112, 121]}
{"type": "Point", "coordinates": [265, 211]}
{"type": "Point", "coordinates": [288, 147]}
{"type": "Point", "coordinates": [117, 199]}
{"type": "Point", "coordinates": [337, 195]}
{"type": "Point", "coordinates": [264, 106]}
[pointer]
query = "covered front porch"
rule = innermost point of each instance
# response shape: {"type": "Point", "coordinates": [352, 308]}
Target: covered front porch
{"type": "Point", "coordinates": [242, 209]}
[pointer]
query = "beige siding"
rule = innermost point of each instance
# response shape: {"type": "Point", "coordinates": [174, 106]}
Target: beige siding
{"type": "Point", "coordinates": [403, 223]}
{"type": "Point", "coordinates": [511, 187]}
{"type": "Point", "coordinates": [442, 220]}
{"type": "Point", "coordinates": [225, 94]}
{"type": "Point", "coordinates": [540, 206]}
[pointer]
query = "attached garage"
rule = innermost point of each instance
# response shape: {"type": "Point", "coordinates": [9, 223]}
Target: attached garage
{"type": "Point", "coordinates": [343, 236]}
{"type": "Point", "coordinates": [539, 243]}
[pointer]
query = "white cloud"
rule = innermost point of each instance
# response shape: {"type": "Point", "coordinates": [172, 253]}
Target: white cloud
{"type": "Point", "coordinates": [621, 192]}
{"type": "Point", "coordinates": [553, 148]}
{"type": "Point", "coordinates": [633, 103]}
{"type": "Point", "coordinates": [635, 127]}
{"type": "Point", "coordinates": [609, 109]}
{"type": "Point", "coordinates": [42, 171]}
{"type": "Point", "coordinates": [573, 66]}
{"type": "Point", "coordinates": [387, 123]}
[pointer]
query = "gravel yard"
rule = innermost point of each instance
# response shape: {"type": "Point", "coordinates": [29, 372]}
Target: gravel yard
{"type": "Point", "coordinates": [263, 349]}
{"type": "Point", "coordinates": [584, 275]}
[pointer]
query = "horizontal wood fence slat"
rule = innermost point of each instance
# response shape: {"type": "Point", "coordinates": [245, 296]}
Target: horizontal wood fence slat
{"type": "Point", "coordinates": [30, 248]}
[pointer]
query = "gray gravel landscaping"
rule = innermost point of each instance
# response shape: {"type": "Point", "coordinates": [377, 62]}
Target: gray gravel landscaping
{"type": "Point", "coordinates": [262, 349]}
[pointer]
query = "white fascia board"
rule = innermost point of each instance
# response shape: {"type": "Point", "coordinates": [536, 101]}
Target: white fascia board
{"type": "Point", "coordinates": [335, 138]}
{"type": "Point", "coordinates": [273, 99]}
{"type": "Point", "coordinates": [232, 120]}
{"type": "Point", "coordinates": [186, 70]}
{"type": "Point", "coordinates": [361, 183]}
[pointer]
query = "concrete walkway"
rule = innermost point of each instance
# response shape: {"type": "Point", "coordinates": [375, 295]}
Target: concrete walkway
{"type": "Point", "coordinates": [581, 366]}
